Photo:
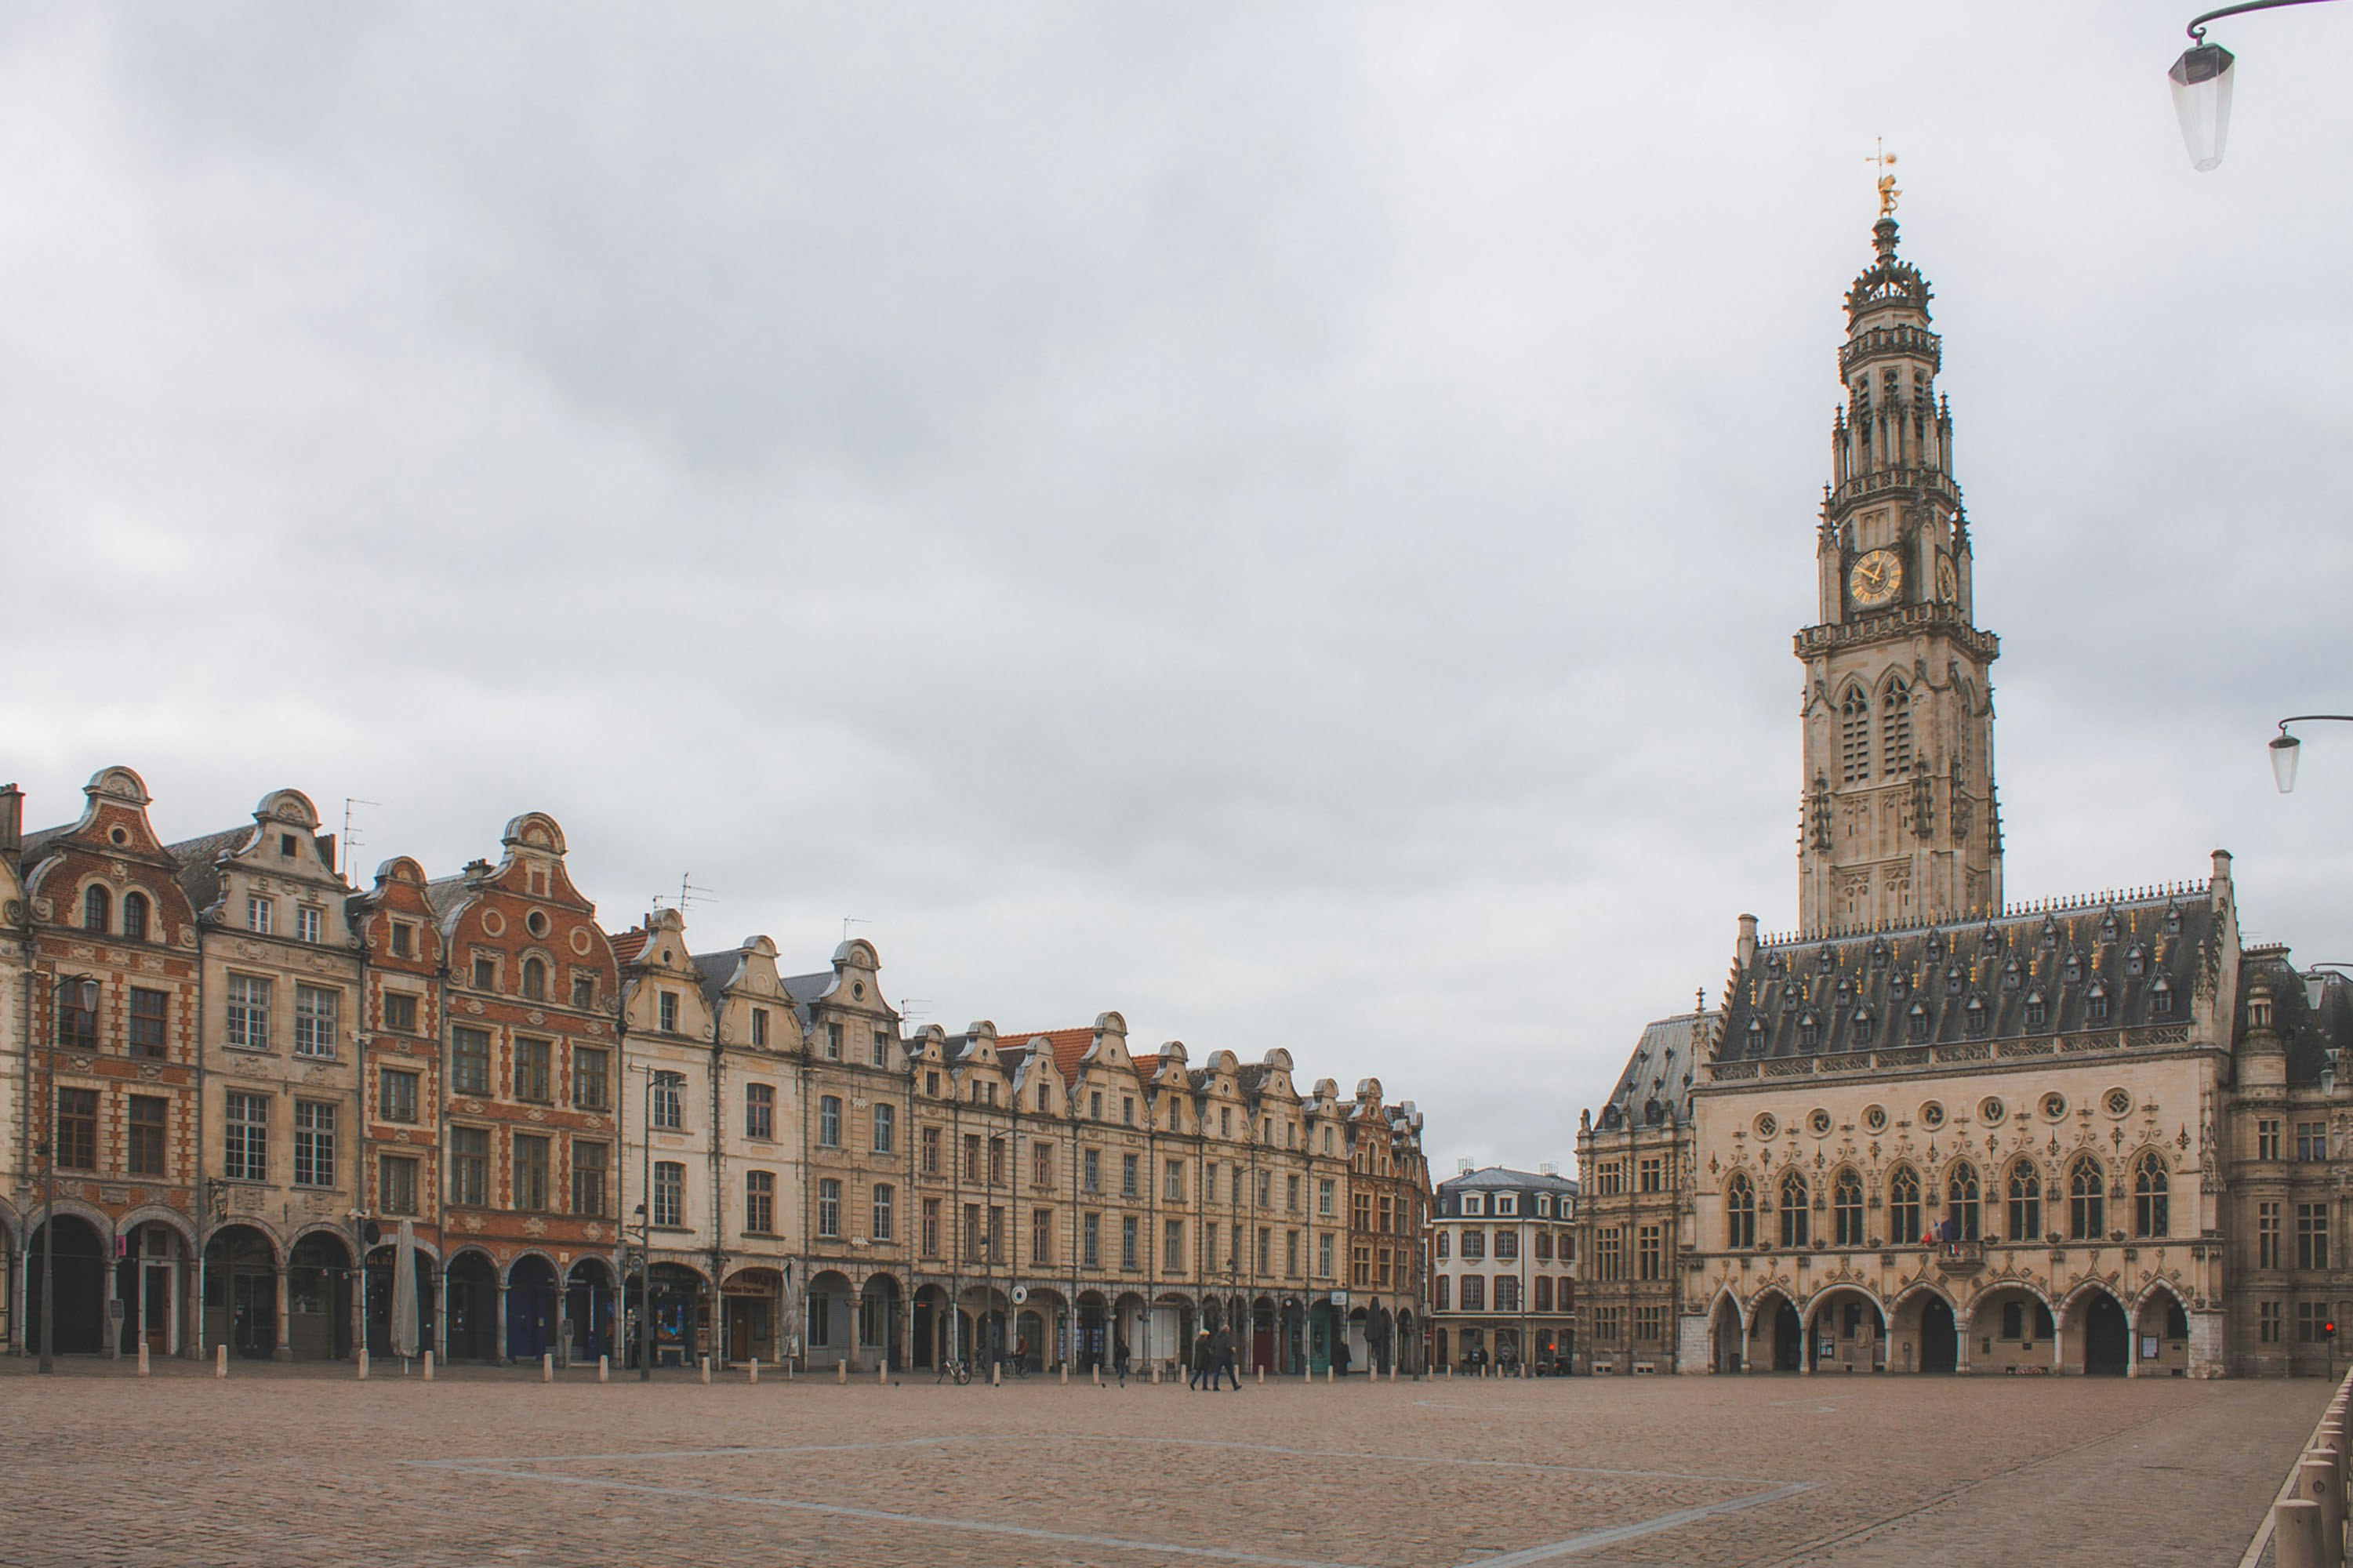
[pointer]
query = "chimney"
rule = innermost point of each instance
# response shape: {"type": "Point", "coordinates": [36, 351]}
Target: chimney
{"type": "Point", "coordinates": [12, 822]}
{"type": "Point", "coordinates": [2222, 878]}
{"type": "Point", "coordinates": [1745, 951]}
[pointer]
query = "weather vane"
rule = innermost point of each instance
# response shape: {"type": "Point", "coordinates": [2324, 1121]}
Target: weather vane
{"type": "Point", "coordinates": [1886, 162]}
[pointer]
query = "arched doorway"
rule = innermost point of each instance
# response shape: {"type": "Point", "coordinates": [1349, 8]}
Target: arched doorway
{"type": "Point", "coordinates": [1408, 1345]}
{"type": "Point", "coordinates": [473, 1286]}
{"type": "Point", "coordinates": [1939, 1344]}
{"type": "Point", "coordinates": [1094, 1340]}
{"type": "Point", "coordinates": [380, 1264]}
{"type": "Point", "coordinates": [319, 1297]}
{"type": "Point", "coordinates": [2107, 1336]}
{"type": "Point", "coordinates": [1789, 1336]}
{"type": "Point", "coordinates": [678, 1304]}
{"type": "Point", "coordinates": [831, 1318]}
{"type": "Point", "coordinates": [1724, 1335]}
{"type": "Point", "coordinates": [241, 1291]}
{"type": "Point", "coordinates": [2163, 1326]}
{"type": "Point", "coordinates": [1848, 1332]}
{"type": "Point", "coordinates": [932, 1318]}
{"type": "Point", "coordinates": [79, 1296]}
{"type": "Point", "coordinates": [531, 1308]}
{"type": "Point", "coordinates": [151, 1282]}
{"type": "Point", "coordinates": [588, 1307]}
{"type": "Point", "coordinates": [1262, 1340]}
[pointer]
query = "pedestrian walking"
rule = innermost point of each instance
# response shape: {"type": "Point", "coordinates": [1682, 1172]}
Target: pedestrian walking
{"type": "Point", "coordinates": [1200, 1360]}
{"type": "Point", "coordinates": [1119, 1356]}
{"type": "Point", "coordinates": [1340, 1357]}
{"type": "Point", "coordinates": [1223, 1361]}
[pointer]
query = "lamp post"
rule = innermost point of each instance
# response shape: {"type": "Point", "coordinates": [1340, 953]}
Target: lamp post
{"type": "Point", "coordinates": [2285, 747]}
{"type": "Point", "coordinates": [2201, 85]}
{"type": "Point", "coordinates": [85, 1000]}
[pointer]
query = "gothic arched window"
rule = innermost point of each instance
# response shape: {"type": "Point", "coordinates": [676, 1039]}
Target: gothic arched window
{"type": "Point", "coordinates": [1961, 1199]}
{"type": "Point", "coordinates": [1793, 1210]}
{"type": "Point", "coordinates": [2149, 1188]}
{"type": "Point", "coordinates": [1739, 1214]}
{"type": "Point", "coordinates": [1895, 728]}
{"type": "Point", "coordinates": [97, 909]}
{"type": "Point", "coordinates": [1846, 1209]}
{"type": "Point", "coordinates": [2087, 1193]}
{"type": "Point", "coordinates": [1903, 1205]}
{"type": "Point", "coordinates": [1854, 736]}
{"type": "Point", "coordinates": [2025, 1202]}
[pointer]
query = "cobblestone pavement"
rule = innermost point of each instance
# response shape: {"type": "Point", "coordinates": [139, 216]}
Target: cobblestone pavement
{"type": "Point", "coordinates": [288, 1465]}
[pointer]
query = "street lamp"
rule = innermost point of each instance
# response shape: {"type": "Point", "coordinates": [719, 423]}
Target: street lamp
{"type": "Point", "coordinates": [2315, 981]}
{"type": "Point", "coordinates": [2286, 746]}
{"type": "Point", "coordinates": [85, 1000]}
{"type": "Point", "coordinates": [2201, 85]}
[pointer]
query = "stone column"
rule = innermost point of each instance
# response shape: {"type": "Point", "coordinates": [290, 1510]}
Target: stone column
{"type": "Point", "coordinates": [284, 1349]}
{"type": "Point", "coordinates": [499, 1350]}
{"type": "Point", "coordinates": [562, 1346]}
{"type": "Point", "coordinates": [116, 1327]}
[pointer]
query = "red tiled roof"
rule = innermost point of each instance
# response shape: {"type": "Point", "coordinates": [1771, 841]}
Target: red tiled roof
{"type": "Point", "coordinates": [1146, 1067]}
{"type": "Point", "coordinates": [1067, 1045]}
{"type": "Point", "coordinates": [628, 944]}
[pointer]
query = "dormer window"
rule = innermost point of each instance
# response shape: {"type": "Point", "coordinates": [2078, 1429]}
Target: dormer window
{"type": "Point", "coordinates": [2096, 1003]}
{"type": "Point", "coordinates": [1756, 1035]}
{"type": "Point", "coordinates": [1936, 946]}
{"type": "Point", "coordinates": [1845, 990]}
{"type": "Point", "coordinates": [1865, 1026]}
{"type": "Point", "coordinates": [2136, 960]}
{"type": "Point", "coordinates": [1879, 953]}
{"type": "Point", "coordinates": [1809, 1031]}
{"type": "Point", "coordinates": [2173, 919]}
{"type": "Point", "coordinates": [2074, 972]}
{"type": "Point", "coordinates": [1992, 941]}
{"type": "Point", "coordinates": [1897, 985]}
{"type": "Point", "coordinates": [2012, 976]}
{"type": "Point", "coordinates": [1543, 1207]}
{"type": "Point", "coordinates": [2160, 997]}
{"type": "Point", "coordinates": [1977, 1015]}
{"type": "Point", "coordinates": [2038, 1011]}
{"type": "Point", "coordinates": [1507, 1204]}
{"type": "Point", "coordinates": [1953, 981]}
{"type": "Point", "coordinates": [2108, 926]}
{"type": "Point", "coordinates": [2050, 934]}
{"type": "Point", "coordinates": [1773, 966]}
{"type": "Point", "coordinates": [1825, 958]}
{"type": "Point", "coordinates": [1919, 1019]}
{"type": "Point", "coordinates": [1474, 1204]}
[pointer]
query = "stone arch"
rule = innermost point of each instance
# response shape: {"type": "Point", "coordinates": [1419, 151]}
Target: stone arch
{"type": "Point", "coordinates": [248, 1222]}
{"type": "Point", "coordinates": [1987, 1329]}
{"type": "Point", "coordinates": [307, 1229]}
{"type": "Point", "coordinates": [158, 1213]}
{"type": "Point", "coordinates": [1727, 1331]}
{"type": "Point", "coordinates": [2096, 1330]}
{"type": "Point", "coordinates": [506, 1272]}
{"type": "Point", "coordinates": [1773, 1334]}
{"type": "Point", "coordinates": [1856, 1345]}
{"type": "Point", "coordinates": [1923, 1330]}
{"type": "Point", "coordinates": [2157, 1314]}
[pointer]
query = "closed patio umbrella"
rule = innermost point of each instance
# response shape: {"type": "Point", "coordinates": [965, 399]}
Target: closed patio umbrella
{"type": "Point", "coordinates": [403, 1293]}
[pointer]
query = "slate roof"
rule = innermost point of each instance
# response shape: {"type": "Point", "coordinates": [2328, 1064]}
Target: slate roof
{"type": "Point", "coordinates": [198, 861]}
{"type": "Point", "coordinates": [2028, 973]}
{"type": "Point", "coordinates": [1501, 1178]}
{"type": "Point", "coordinates": [444, 894]}
{"type": "Point", "coordinates": [2310, 1034]}
{"type": "Point", "coordinates": [1655, 1087]}
{"type": "Point", "coordinates": [805, 989]}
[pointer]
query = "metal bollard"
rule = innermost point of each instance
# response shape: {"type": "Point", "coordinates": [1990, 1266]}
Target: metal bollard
{"type": "Point", "coordinates": [753, 1366]}
{"type": "Point", "coordinates": [841, 1370]}
{"type": "Point", "coordinates": [604, 1369]}
{"type": "Point", "coordinates": [220, 1361]}
{"type": "Point", "coordinates": [428, 1366]}
{"type": "Point", "coordinates": [2316, 1481]}
{"type": "Point", "coordinates": [883, 1373]}
{"type": "Point", "coordinates": [143, 1359]}
{"type": "Point", "coordinates": [1261, 1377]}
{"type": "Point", "coordinates": [706, 1369]}
{"type": "Point", "coordinates": [547, 1366]}
{"type": "Point", "coordinates": [997, 1374]}
{"type": "Point", "coordinates": [2295, 1535]}
{"type": "Point", "coordinates": [362, 1363]}
{"type": "Point", "coordinates": [1328, 1378]}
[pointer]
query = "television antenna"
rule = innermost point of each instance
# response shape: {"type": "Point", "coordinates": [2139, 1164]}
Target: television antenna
{"type": "Point", "coordinates": [350, 838]}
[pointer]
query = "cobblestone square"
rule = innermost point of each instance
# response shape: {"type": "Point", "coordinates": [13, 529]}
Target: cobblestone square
{"type": "Point", "coordinates": [298, 1467]}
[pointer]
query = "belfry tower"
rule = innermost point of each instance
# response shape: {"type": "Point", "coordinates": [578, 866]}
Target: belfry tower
{"type": "Point", "coordinates": [1900, 824]}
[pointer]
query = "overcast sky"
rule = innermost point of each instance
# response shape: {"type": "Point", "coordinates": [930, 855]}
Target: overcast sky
{"type": "Point", "coordinates": [1282, 521]}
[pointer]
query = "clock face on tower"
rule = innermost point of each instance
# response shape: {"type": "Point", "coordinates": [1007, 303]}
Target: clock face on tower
{"type": "Point", "coordinates": [1877, 579]}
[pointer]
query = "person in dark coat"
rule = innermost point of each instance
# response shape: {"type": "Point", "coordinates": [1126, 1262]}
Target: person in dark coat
{"type": "Point", "coordinates": [1119, 1356]}
{"type": "Point", "coordinates": [1201, 1361]}
{"type": "Point", "coordinates": [1221, 1350]}
{"type": "Point", "coordinates": [1340, 1356]}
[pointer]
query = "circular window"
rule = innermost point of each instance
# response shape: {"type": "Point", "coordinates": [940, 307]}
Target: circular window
{"type": "Point", "coordinates": [118, 836]}
{"type": "Point", "coordinates": [2054, 1105]}
{"type": "Point", "coordinates": [1767, 1126]}
{"type": "Point", "coordinates": [536, 922]}
{"type": "Point", "coordinates": [1932, 1115]}
{"type": "Point", "coordinates": [580, 942]}
{"type": "Point", "coordinates": [1874, 1117]}
{"type": "Point", "coordinates": [2119, 1102]}
{"type": "Point", "coordinates": [1993, 1110]}
{"type": "Point", "coordinates": [858, 990]}
{"type": "Point", "coordinates": [1819, 1121]}
{"type": "Point", "coordinates": [494, 922]}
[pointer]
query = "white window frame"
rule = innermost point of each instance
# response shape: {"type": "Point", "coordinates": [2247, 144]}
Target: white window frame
{"type": "Point", "coordinates": [314, 1143]}
{"type": "Point", "coordinates": [310, 922]}
{"type": "Point", "coordinates": [316, 1026]}
{"type": "Point", "coordinates": [248, 1013]}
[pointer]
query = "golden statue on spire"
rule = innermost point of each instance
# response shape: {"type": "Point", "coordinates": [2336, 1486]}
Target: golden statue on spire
{"type": "Point", "coordinates": [1886, 162]}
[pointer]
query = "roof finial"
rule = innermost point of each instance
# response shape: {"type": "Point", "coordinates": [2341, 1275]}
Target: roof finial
{"type": "Point", "coordinates": [1884, 160]}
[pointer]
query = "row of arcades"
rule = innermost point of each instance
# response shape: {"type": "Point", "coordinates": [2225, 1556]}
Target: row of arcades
{"type": "Point", "coordinates": [146, 1280]}
{"type": "Point", "coordinates": [2004, 1328]}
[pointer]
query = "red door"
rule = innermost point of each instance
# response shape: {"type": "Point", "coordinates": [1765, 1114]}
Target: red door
{"type": "Point", "coordinates": [1262, 1348]}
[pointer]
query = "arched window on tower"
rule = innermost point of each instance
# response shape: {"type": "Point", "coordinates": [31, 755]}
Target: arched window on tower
{"type": "Point", "coordinates": [1854, 736]}
{"type": "Point", "coordinates": [1895, 728]}
{"type": "Point", "coordinates": [1794, 1212]}
{"type": "Point", "coordinates": [2149, 1188]}
{"type": "Point", "coordinates": [1739, 1214]}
